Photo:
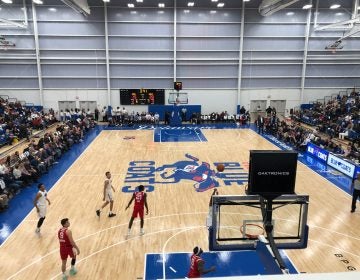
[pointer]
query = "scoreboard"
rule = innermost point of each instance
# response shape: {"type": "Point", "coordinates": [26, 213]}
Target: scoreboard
{"type": "Point", "coordinates": [142, 96]}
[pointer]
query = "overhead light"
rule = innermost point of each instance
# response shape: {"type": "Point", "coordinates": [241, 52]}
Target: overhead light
{"type": "Point", "coordinates": [246, 0]}
{"type": "Point", "coordinates": [7, 1]}
{"type": "Point", "coordinates": [214, 0]}
{"type": "Point", "coordinates": [191, 4]}
{"type": "Point", "coordinates": [161, 5]}
{"type": "Point", "coordinates": [52, 9]}
{"type": "Point", "coordinates": [290, 13]}
{"type": "Point", "coordinates": [220, 5]}
{"type": "Point", "coordinates": [186, 11]}
{"type": "Point", "coordinates": [307, 7]}
{"type": "Point", "coordinates": [38, 2]}
{"type": "Point", "coordinates": [139, 1]}
{"type": "Point", "coordinates": [130, 5]}
{"type": "Point", "coordinates": [335, 6]}
{"type": "Point", "coordinates": [107, 1]}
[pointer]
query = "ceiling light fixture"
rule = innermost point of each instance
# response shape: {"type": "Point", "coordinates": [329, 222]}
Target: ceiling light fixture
{"type": "Point", "coordinates": [40, 2]}
{"type": "Point", "coordinates": [161, 5]}
{"type": "Point", "coordinates": [335, 6]}
{"type": "Point", "coordinates": [130, 5]}
{"type": "Point", "coordinates": [306, 7]}
{"type": "Point", "coordinates": [139, 1]}
{"type": "Point", "coordinates": [220, 5]}
{"type": "Point", "coordinates": [7, 1]}
{"type": "Point", "coordinates": [191, 4]}
{"type": "Point", "coordinates": [106, 1]}
{"type": "Point", "coordinates": [214, 0]}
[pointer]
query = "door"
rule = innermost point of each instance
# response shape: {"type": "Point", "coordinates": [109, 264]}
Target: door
{"type": "Point", "coordinates": [66, 105]}
{"type": "Point", "coordinates": [279, 105]}
{"type": "Point", "coordinates": [88, 105]}
{"type": "Point", "coordinates": [257, 106]}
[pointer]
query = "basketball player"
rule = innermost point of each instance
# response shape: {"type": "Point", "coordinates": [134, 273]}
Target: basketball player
{"type": "Point", "coordinates": [356, 192]}
{"type": "Point", "coordinates": [40, 205]}
{"type": "Point", "coordinates": [68, 247]}
{"type": "Point", "coordinates": [197, 264]}
{"type": "Point", "coordinates": [108, 195]}
{"type": "Point", "coordinates": [140, 202]}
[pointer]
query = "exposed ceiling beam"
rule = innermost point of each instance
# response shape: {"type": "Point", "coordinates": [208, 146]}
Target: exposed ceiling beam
{"type": "Point", "coordinates": [80, 6]}
{"type": "Point", "coordinates": [268, 7]}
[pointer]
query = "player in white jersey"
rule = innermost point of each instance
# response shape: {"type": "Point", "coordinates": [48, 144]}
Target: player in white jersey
{"type": "Point", "coordinates": [108, 195]}
{"type": "Point", "coordinates": [40, 205]}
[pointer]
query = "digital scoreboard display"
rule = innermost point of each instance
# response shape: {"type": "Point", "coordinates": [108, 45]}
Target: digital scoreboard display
{"type": "Point", "coordinates": [142, 96]}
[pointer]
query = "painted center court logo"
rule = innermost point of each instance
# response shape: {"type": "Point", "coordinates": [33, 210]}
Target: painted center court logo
{"type": "Point", "coordinates": [202, 175]}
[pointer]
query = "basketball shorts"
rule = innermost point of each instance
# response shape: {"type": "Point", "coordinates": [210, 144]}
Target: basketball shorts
{"type": "Point", "coordinates": [109, 196]}
{"type": "Point", "coordinates": [138, 212]}
{"type": "Point", "coordinates": [66, 252]}
{"type": "Point", "coordinates": [42, 211]}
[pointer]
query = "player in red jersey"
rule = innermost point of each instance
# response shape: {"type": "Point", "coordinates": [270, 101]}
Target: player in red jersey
{"type": "Point", "coordinates": [140, 202]}
{"type": "Point", "coordinates": [68, 247]}
{"type": "Point", "coordinates": [197, 264]}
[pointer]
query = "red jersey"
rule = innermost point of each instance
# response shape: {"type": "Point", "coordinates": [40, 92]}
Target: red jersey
{"type": "Point", "coordinates": [139, 199]}
{"type": "Point", "coordinates": [194, 266]}
{"type": "Point", "coordinates": [63, 238]}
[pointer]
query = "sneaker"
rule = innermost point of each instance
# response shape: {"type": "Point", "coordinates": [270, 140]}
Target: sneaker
{"type": "Point", "coordinates": [73, 271]}
{"type": "Point", "coordinates": [352, 210]}
{"type": "Point", "coordinates": [129, 233]}
{"type": "Point", "coordinates": [37, 230]}
{"type": "Point", "coordinates": [98, 213]}
{"type": "Point", "coordinates": [112, 215]}
{"type": "Point", "coordinates": [142, 232]}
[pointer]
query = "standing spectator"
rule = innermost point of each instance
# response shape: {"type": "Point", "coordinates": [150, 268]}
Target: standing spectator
{"type": "Point", "coordinates": [268, 111]}
{"type": "Point", "coordinates": [183, 114]}
{"type": "Point", "coordinates": [356, 192]}
{"type": "Point", "coordinates": [96, 114]}
{"type": "Point", "coordinates": [260, 124]}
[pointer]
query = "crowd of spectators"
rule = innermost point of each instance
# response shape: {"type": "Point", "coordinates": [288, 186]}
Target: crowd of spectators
{"type": "Point", "coordinates": [298, 136]}
{"type": "Point", "coordinates": [17, 121]}
{"type": "Point", "coordinates": [339, 117]}
{"type": "Point", "coordinates": [20, 170]}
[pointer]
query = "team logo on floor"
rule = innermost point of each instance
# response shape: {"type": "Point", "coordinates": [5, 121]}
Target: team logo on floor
{"type": "Point", "coordinates": [202, 175]}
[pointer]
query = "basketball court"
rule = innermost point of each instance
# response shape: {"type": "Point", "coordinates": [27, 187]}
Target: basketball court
{"type": "Point", "coordinates": [178, 208]}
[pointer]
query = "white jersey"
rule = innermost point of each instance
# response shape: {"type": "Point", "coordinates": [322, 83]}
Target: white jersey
{"type": "Point", "coordinates": [42, 199]}
{"type": "Point", "coordinates": [108, 190]}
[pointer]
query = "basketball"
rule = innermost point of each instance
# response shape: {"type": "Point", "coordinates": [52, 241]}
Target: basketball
{"type": "Point", "coordinates": [220, 167]}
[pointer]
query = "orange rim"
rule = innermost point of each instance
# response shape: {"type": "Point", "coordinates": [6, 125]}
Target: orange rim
{"type": "Point", "coordinates": [252, 236]}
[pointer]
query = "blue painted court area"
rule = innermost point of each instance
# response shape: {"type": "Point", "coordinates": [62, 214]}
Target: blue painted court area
{"type": "Point", "coordinates": [185, 134]}
{"type": "Point", "coordinates": [21, 205]}
{"type": "Point", "coordinates": [229, 263]}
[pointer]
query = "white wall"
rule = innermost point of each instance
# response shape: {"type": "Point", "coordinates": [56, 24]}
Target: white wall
{"type": "Point", "coordinates": [211, 100]}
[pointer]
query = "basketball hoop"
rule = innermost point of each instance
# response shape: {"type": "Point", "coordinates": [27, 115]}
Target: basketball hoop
{"type": "Point", "coordinates": [251, 231]}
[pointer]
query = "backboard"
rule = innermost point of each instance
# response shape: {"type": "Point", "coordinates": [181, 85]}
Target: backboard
{"type": "Point", "coordinates": [235, 222]}
{"type": "Point", "coordinates": [178, 97]}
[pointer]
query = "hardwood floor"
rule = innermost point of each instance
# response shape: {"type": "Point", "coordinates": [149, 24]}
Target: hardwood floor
{"type": "Point", "coordinates": [177, 213]}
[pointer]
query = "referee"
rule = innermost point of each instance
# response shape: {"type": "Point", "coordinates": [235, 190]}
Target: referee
{"type": "Point", "coordinates": [356, 193]}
